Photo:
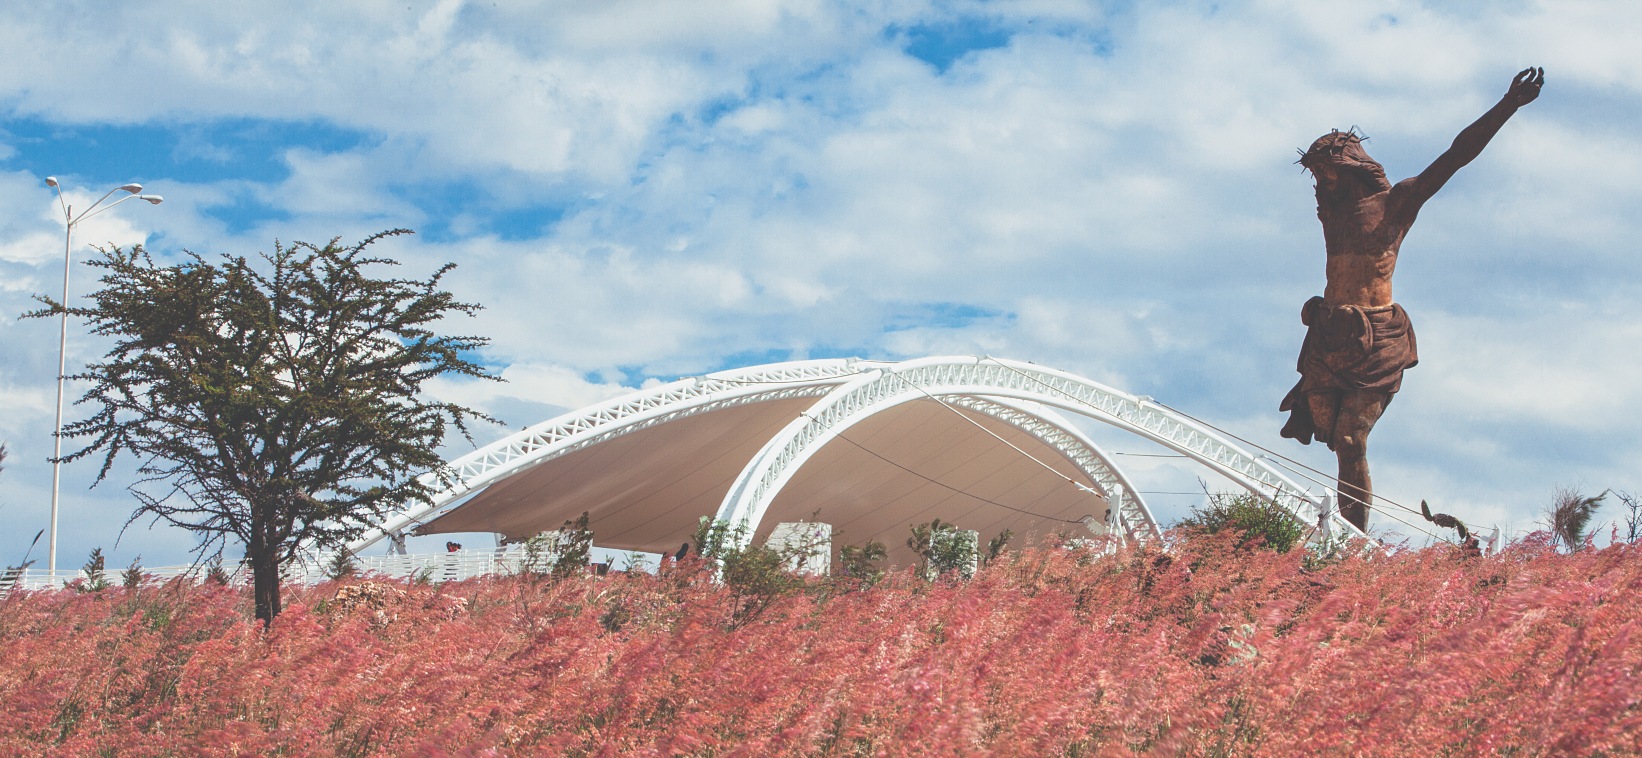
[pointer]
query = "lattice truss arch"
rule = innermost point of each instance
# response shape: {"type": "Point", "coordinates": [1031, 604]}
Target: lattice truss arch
{"type": "Point", "coordinates": [888, 385]}
{"type": "Point", "coordinates": [1130, 513]}
{"type": "Point", "coordinates": [597, 423]}
{"type": "Point", "coordinates": [981, 384]}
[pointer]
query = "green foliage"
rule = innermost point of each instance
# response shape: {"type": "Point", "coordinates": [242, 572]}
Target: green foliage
{"type": "Point", "coordinates": [861, 561]}
{"type": "Point", "coordinates": [945, 549]}
{"type": "Point", "coordinates": [713, 538]}
{"type": "Point", "coordinates": [559, 554]}
{"type": "Point", "coordinates": [217, 575]}
{"type": "Point", "coordinates": [341, 566]}
{"type": "Point", "coordinates": [272, 401]}
{"type": "Point", "coordinates": [96, 579]}
{"type": "Point", "coordinates": [132, 577]}
{"type": "Point", "coordinates": [1569, 514]}
{"type": "Point", "coordinates": [1330, 551]}
{"type": "Point", "coordinates": [996, 546]}
{"type": "Point", "coordinates": [756, 574]}
{"type": "Point", "coordinates": [1259, 522]}
{"type": "Point", "coordinates": [575, 547]}
{"type": "Point", "coordinates": [538, 556]}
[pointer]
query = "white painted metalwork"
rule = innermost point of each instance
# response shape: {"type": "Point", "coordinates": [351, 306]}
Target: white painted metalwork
{"type": "Point", "coordinates": [431, 567]}
{"type": "Point", "coordinates": [849, 390]}
{"type": "Point", "coordinates": [46, 579]}
{"type": "Point", "coordinates": [1053, 430]}
{"type": "Point", "coordinates": [886, 385]}
{"type": "Point", "coordinates": [597, 423]}
{"type": "Point", "coordinates": [70, 220]}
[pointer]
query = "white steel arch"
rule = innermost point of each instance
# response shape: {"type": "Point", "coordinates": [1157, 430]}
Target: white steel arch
{"type": "Point", "coordinates": [648, 408]}
{"type": "Point", "coordinates": [596, 423]}
{"type": "Point", "coordinates": [887, 385]}
{"type": "Point", "coordinates": [1130, 513]}
{"type": "Point", "coordinates": [844, 387]}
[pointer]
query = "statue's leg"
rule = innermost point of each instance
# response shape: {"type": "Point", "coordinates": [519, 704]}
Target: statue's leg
{"type": "Point", "coordinates": [1325, 409]}
{"type": "Point", "coordinates": [1358, 412]}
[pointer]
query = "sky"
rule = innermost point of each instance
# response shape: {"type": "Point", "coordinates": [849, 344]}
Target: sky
{"type": "Point", "coordinates": [640, 190]}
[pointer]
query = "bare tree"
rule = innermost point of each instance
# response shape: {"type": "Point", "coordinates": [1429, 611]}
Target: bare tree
{"type": "Point", "coordinates": [1633, 516]}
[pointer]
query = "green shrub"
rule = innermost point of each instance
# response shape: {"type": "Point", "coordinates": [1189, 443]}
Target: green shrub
{"type": "Point", "coordinates": [561, 553]}
{"type": "Point", "coordinates": [861, 561]}
{"type": "Point", "coordinates": [756, 574]}
{"type": "Point", "coordinates": [96, 579]}
{"type": "Point", "coordinates": [216, 574]}
{"type": "Point", "coordinates": [945, 549]}
{"type": "Point", "coordinates": [1260, 522]}
{"type": "Point", "coordinates": [132, 576]}
{"type": "Point", "coordinates": [341, 567]}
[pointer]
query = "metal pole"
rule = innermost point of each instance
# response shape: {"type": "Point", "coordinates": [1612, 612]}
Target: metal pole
{"type": "Point", "coordinates": [62, 369]}
{"type": "Point", "coordinates": [69, 220]}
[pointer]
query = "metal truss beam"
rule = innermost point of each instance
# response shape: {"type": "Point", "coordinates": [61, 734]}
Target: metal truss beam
{"type": "Point", "coordinates": [629, 413]}
{"type": "Point", "coordinates": [888, 385]}
{"type": "Point", "coordinates": [1133, 517]}
{"type": "Point", "coordinates": [846, 387]}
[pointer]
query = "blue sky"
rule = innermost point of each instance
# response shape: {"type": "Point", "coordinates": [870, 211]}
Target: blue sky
{"type": "Point", "coordinates": [640, 190]}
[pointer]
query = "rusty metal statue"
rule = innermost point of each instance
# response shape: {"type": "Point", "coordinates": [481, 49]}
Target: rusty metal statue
{"type": "Point", "coordinates": [1358, 340]}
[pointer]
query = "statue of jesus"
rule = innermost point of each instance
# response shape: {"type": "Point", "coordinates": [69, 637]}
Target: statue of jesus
{"type": "Point", "coordinates": [1358, 340]}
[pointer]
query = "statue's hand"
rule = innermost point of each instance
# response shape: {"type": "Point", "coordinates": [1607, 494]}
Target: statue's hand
{"type": "Point", "coordinates": [1525, 87]}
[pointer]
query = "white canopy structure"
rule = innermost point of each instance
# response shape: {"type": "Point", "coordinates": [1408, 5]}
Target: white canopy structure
{"type": "Point", "coordinates": [869, 447]}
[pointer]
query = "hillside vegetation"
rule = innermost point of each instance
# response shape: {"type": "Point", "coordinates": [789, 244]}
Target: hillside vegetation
{"type": "Point", "coordinates": [1210, 649]}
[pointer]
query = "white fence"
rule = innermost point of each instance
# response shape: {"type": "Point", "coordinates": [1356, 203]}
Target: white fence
{"type": "Point", "coordinates": [40, 579]}
{"type": "Point", "coordinates": [433, 567]}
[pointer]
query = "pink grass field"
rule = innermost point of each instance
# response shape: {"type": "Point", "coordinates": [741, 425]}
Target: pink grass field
{"type": "Point", "coordinates": [1208, 651]}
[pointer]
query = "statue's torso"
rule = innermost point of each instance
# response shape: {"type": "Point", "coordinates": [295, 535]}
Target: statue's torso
{"type": "Point", "coordinates": [1363, 239]}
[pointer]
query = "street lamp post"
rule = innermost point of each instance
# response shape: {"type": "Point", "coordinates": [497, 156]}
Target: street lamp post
{"type": "Point", "coordinates": [69, 220]}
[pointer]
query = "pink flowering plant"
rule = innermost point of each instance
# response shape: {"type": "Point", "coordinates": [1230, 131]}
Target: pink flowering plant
{"type": "Point", "coordinates": [1210, 648]}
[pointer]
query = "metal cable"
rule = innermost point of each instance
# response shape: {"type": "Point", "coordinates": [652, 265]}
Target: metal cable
{"type": "Point", "coordinates": [1274, 455]}
{"type": "Point", "coordinates": [978, 425]}
{"type": "Point", "coordinates": [1291, 463]}
{"type": "Point", "coordinates": [937, 482]}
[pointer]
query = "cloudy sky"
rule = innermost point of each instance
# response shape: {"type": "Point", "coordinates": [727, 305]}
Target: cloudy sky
{"type": "Point", "coordinates": [640, 190]}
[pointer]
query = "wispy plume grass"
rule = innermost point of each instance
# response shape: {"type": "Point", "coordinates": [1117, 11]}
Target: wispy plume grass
{"type": "Point", "coordinates": [1207, 649]}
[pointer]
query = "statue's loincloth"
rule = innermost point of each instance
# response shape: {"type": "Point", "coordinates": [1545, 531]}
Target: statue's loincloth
{"type": "Point", "coordinates": [1348, 348]}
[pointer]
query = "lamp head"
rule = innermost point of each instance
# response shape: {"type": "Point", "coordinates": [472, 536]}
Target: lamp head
{"type": "Point", "coordinates": [51, 181]}
{"type": "Point", "coordinates": [133, 188]}
{"type": "Point", "coordinates": [153, 199]}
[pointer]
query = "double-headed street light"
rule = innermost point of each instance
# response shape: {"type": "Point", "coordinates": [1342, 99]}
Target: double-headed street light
{"type": "Point", "coordinates": [69, 220]}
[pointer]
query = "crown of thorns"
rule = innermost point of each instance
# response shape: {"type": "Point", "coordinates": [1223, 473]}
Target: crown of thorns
{"type": "Point", "coordinates": [1334, 137]}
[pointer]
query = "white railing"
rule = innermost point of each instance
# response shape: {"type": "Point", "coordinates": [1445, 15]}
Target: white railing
{"type": "Point", "coordinates": [41, 579]}
{"type": "Point", "coordinates": [432, 567]}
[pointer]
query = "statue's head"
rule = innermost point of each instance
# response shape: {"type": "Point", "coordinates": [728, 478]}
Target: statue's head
{"type": "Point", "coordinates": [1338, 157]}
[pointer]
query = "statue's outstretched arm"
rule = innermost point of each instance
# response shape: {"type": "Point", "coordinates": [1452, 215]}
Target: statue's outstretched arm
{"type": "Point", "coordinates": [1469, 144]}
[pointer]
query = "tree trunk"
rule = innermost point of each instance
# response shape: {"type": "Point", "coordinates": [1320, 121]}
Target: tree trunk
{"type": "Point", "coordinates": [264, 576]}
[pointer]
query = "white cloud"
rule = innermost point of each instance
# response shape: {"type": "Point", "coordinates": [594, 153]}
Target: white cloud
{"type": "Point", "coordinates": [746, 177]}
{"type": "Point", "coordinates": [25, 402]}
{"type": "Point", "coordinates": [536, 383]}
{"type": "Point", "coordinates": [33, 248]}
{"type": "Point", "coordinates": [1562, 366]}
